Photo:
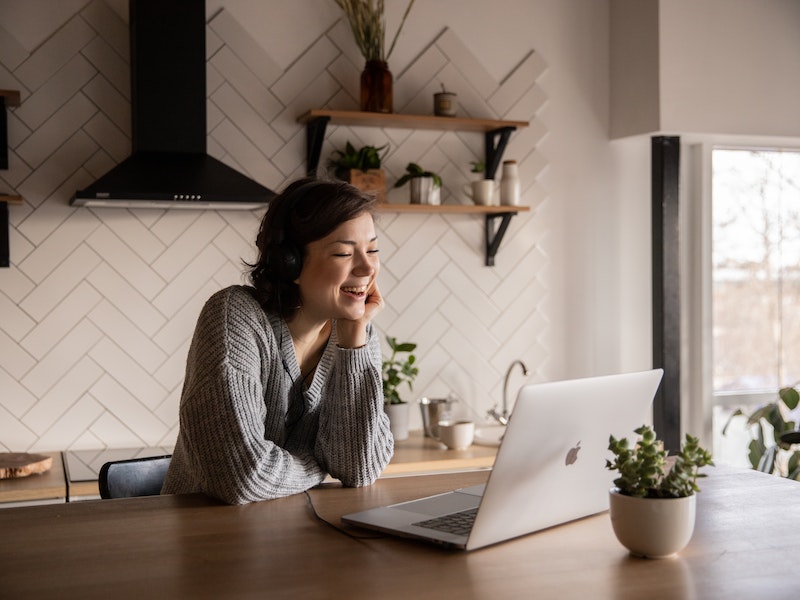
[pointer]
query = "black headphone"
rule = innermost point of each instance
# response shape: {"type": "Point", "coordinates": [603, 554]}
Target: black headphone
{"type": "Point", "coordinates": [284, 259]}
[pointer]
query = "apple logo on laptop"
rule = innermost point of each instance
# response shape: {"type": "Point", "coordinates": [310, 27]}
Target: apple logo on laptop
{"type": "Point", "coordinates": [572, 455]}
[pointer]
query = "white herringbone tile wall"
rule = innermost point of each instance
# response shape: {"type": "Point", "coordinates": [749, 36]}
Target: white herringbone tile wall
{"type": "Point", "coordinates": [98, 307]}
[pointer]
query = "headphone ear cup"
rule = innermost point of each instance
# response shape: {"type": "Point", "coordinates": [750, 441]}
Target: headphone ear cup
{"type": "Point", "coordinates": [284, 261]}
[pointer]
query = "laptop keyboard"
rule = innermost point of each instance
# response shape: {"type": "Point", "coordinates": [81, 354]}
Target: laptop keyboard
{"type": "Point", "coordinates": [459, 523]}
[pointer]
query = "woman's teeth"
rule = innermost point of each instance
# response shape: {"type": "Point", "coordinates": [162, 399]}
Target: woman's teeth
{"type": "Point", "coordinates": [355, 291]}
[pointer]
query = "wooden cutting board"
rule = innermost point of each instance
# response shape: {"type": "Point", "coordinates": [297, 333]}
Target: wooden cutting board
{"type": "Point", "coordinates": [21, 464]}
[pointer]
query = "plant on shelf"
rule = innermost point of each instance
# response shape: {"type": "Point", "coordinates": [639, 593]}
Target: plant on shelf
{"type": "Point", "coordinates": [770, 422]}
{"type": "Point", "coordinates": [477, 167]}
{"type": "Point", "coordinates": [361, 167]}
{"type": "Point", "coordinates": [647, 475]}
{"type": "Point", "coordinates": [368, 25]}
{"type": "Point", "coordinates": [414, 171]}
{"type": "Point", "coordinates": [396, 372]}
{"type": "Point", "coordinates": [424, 186]}
{"type": "Point", "coordinates": [362, 159]}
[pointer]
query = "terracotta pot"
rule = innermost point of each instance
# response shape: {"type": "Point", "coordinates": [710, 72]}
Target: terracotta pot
{"type": "Point", "coordinates": [398, 420]}
{"type": "Point", "coordinates": [371, 180]}
{"type": "Point", "coordinates": [652, 527]}
{"type": "Point", "coordinates": [376, 87]}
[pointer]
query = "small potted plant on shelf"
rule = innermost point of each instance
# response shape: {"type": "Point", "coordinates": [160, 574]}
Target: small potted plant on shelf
{"type": "Point", "coordinates": [478, 167]}
{"type": "Point", "coordinates": [396, 372]}
{"type": "Point", "coordinates": [424, 186]}
{"type": "Point", "coordinates": [653, 503]}
{"type": "Point", "coordinates": [361, 167]}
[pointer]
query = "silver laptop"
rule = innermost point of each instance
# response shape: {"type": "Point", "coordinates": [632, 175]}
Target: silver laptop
{"type": "Point", "coordinates": [550, 467]}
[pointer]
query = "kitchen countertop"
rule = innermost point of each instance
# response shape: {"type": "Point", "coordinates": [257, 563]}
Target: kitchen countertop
{"type": "Point", "coordinates": [73, 475]}
{"type": "Point", "coordinates": [420, 455]}
{"type": "Point", "coordinates": [39, 488]}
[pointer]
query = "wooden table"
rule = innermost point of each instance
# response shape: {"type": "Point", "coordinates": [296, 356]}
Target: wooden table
{"type": "Point", "coordinates": [745, 546]}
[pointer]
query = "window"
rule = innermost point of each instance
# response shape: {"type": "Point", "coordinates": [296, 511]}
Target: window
{"type": "Point", "coordinates": [755, 279]}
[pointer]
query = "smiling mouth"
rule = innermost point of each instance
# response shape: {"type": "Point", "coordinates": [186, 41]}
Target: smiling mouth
{"type": "Point", "coordinates": [355, 292]}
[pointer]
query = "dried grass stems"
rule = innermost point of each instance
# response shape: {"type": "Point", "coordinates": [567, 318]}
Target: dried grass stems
{"type": "Point", "coordinates": [369, 26]}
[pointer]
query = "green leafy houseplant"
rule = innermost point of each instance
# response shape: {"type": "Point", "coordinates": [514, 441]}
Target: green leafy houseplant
{"type": "Point", "coordinates": [770, 421]}
{"type": "Point", "coordinates": [369, 26]}
{"type": "Point", "coordinates": [363, 159]}
{"type": "Point", "coordinates": [478, 166]}
{"type": "Point", "coordinates": [397, 371]}
{"type": "Point", "coordinates": [413, 171]}
{"type": "Point", "coordinates": [646, 472]}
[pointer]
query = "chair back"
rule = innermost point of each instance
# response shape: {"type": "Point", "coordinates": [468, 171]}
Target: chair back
{"type": "Point", "coordinates": [134, 477]}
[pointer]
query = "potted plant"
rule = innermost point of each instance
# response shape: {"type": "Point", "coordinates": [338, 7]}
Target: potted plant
{"type": "Point", "coordinates": [653, 503]}
{"type": "Point", "coordinates": [478, 167]}
{"type": "Point", "coordinates": [396, 372]}
{"type": "Point", "coordinates": [369, 30]}
{"type": "Point", "coordinates": [361, 167]}
{"type": "Point", "coordinates": [424, 186]}
{"type": "Point", "coordinates": [770, 421]}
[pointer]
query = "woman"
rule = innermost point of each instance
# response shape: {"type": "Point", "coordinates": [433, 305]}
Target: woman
{"type": "Point", "coordinates": [283, 379]}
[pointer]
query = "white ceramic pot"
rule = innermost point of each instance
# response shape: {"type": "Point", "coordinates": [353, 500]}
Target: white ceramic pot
{"type": "Point", "coordinates": [398, 420]}
{"type": "Point", "coordinates": [424, 191]}
{"type": "Point", "coordinates": [652, 527]}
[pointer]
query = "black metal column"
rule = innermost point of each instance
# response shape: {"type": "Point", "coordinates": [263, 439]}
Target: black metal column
{"type": "Point", "coordinates": [665, 172]}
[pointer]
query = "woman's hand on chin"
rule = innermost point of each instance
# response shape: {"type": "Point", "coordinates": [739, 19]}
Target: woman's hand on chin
{"type": "Point", "coordinates": [352, 333]}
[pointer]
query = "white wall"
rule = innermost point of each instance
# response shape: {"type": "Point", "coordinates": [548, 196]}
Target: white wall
{"type": "Point", "coordinates": [83, 365]}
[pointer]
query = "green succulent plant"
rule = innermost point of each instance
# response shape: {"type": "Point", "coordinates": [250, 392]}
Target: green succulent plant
{"type": "Point", "coordinates": [478, 166]}
{"type": "Point", "coordinates": [397, 372]}
{"type": "Point", "coordinates": [413, 171]}
{"type": "Point", "coordinates": [645, 471]}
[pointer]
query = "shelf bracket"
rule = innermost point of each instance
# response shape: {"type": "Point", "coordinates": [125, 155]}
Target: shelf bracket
{"type": "Point", "coordinates": [3, 134]}
{"type": "Point", "coordinates": [494, 237]}
{"type": "Point", "coordinates": [7, 98]}
{"type": "Point", "coordinates": [495, 144]}
{"type": "Point", "coordinates": [5, 252]}
{"type": "Point", "coordinates": [315, 135]}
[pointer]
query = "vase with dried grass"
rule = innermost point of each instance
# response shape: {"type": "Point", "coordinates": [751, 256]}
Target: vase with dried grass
{"type": "Point", "coordinates": [368, 24]}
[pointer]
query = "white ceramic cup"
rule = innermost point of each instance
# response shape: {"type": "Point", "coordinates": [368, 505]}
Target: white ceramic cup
{"type": "Point", "coordinates": [482, 192]}
{"type": "Point", "coordinates": [456, 435]}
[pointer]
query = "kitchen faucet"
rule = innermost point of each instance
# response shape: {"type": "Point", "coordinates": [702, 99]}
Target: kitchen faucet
{"type": "Point", "coordinates": [502, 417]}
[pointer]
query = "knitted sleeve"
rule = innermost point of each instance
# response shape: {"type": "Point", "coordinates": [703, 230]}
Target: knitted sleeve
{"type": "Point", "coordinates": [354, 442]}
{"type": "Point", "coordinates": [233, 388]}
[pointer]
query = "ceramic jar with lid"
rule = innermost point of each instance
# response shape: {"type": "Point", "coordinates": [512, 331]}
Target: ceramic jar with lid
{"type": "Point", "coordinates": [509, 184]}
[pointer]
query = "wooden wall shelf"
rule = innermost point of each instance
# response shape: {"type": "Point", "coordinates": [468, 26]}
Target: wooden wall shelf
{"type": "Point", "coordinates": [496, 132]}
{"type": "Point", "coordinates": [461, 209]}
{"type": "Point", "coordinates": [372, 119]}
{"type": "Point", "coordinates": [493, 235]}
{"type": "Point", "coordinates": [496, 136]}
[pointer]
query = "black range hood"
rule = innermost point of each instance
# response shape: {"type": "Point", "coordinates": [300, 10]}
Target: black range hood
{"type": "Point", "coordinates": [169, 166]}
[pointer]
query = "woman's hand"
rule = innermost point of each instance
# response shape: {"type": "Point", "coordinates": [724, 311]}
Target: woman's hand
{"type": "Point", "coordinates": [352, 333]}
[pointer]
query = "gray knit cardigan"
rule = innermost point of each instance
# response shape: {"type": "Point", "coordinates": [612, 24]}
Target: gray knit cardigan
{"type": "Point", "coordinates": [250, 429]}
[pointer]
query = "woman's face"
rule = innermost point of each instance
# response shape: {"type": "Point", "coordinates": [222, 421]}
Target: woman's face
{"type": "Point", "coordinates": [339, 270]}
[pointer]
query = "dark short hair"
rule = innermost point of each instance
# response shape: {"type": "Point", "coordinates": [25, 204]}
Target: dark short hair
{"type": "Point", "coordinates": [305, 211]}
